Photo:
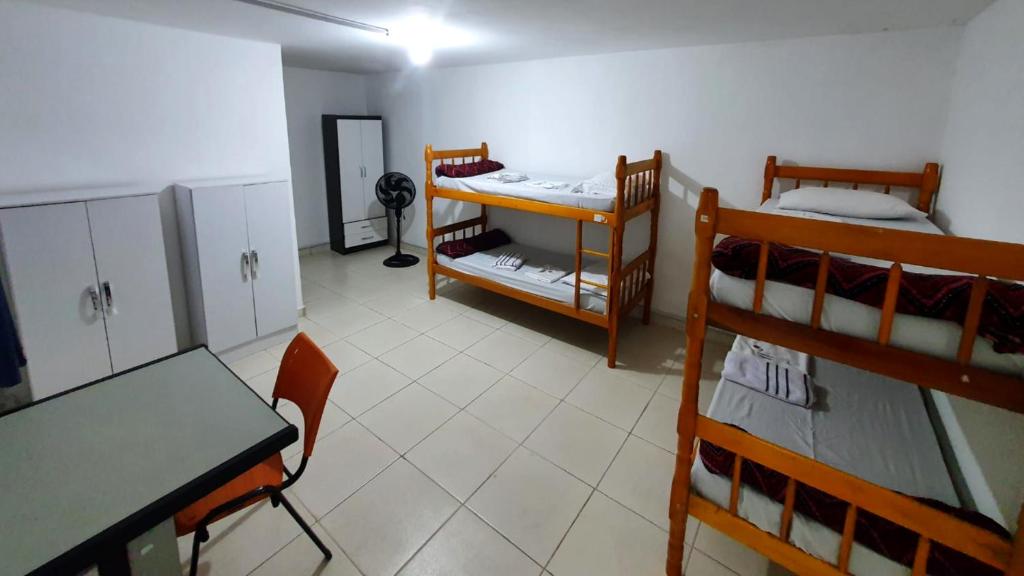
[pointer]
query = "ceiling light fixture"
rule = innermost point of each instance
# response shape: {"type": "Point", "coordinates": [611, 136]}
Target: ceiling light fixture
{"type": "Point", "coordinates": [418, 33]}
{"type": "Point", "coordinates": [316, 15]}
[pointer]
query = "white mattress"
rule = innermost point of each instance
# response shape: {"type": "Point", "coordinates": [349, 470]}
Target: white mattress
{"type": "Point", "coordinates": [482, 264]}
{"type": "Point", "coordinates": [926, 335]}
{"type": "Point", "coordinates": [563, 195]}
{"type": "Point", "coordinates": [864, 424]}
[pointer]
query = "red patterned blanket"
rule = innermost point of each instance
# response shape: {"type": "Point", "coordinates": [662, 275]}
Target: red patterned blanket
{"type": "Point", "coordinates": [940, 296]}
{"type": "Point", "coordinates": [880, 535]}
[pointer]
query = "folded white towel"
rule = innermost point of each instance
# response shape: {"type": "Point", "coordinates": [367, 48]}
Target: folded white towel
{"type": "Point", "coordinates": [785, 382]}
{"type": "Point", "coordinates": [510, 261]}
{"type": "Point", "coordinates": [547, 274]}
{"type": "Point", "coordinates": [508, 177]}
{"type": "Point", "coordinates": [772, 352]}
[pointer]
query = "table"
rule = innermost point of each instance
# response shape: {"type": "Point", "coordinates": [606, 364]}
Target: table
{"type": "Point", "coordinates": [85, 472]}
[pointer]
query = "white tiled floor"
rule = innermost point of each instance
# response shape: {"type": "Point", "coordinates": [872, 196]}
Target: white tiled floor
{"type": "Point", "coordinates": [466, 435]}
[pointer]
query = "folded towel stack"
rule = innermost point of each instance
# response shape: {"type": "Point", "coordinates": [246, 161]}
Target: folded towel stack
{"type": "Point", "coordinates": [547, 274]}
{"type": "Point", "coordinates": [508, 177]}
{"type": "Point", "coordinates": [510, 261]}
{"type": "Point", "coordinates": [772, 370]}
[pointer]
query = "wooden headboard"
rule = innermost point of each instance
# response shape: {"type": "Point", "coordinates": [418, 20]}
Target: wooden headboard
{"type": "Point", "coordinates": [926, 182]}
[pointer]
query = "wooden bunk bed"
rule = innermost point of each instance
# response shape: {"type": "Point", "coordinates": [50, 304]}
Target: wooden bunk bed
{"type": "Point", "coordinates": [638, 191]}
{"type": "Point", "coordinates": [926, 526]}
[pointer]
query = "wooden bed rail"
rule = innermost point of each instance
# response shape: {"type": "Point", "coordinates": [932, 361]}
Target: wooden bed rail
{"type": "Point", "coordinates": [930, 524]}
{"type": "Point", "coordinates": [638, 182]}
{"type": "Point", "coordinates": [968, 256]}
{"type": "Point", "coordinates": [925, 182]}
{"type": "Point", "coordinates": [462, 154]}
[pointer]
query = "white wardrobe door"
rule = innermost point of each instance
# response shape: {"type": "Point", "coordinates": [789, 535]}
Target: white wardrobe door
{"type": "Point", "coordinates": [132, 268]}
{"type": "Point", "coordinates": [350, 162]}
{"type": "Point", "coordinates": [49, 260]}
{"type": "Point", "coordinates": [223, 246]}
{"type": "Point", "coordinates": [373, 162]}
{"type": "Point", "coordinates": [273, 284]}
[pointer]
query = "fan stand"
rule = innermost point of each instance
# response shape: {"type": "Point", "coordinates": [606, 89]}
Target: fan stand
{"type": "Point", "coordinates": [399, 260]}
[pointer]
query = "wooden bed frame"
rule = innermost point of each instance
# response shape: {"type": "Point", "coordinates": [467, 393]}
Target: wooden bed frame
{"type": "Point", "coordinates": [979, 258]}
{"type": "Point", "coordinates": [638, 192]}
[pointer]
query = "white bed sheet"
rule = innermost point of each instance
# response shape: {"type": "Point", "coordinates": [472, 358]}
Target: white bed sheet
{"type": "Point", "coordinates": [482, 264]}
{"type": "Point", "coordinates": [563, 196]}
{"type": "Point", "coordinates": [925, 335]}
{"type": "Point", "coordinates": [864, 424]}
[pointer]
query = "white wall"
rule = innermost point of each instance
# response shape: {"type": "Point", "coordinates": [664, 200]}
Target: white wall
{"type": "Point", "coordinates": [309, 94]}
{"type": "Point", "coordinates": [716, 111]}
{"type": "Point", "coordinates": [89, 101]}
{"type": "Point", "coordinates": [982, 196]}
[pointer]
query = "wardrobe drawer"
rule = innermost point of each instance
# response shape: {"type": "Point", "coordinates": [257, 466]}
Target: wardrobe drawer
{"type": "Point", "coordinates": [378, 224]}
{"type": "Point", "coordinates": [373, 234]}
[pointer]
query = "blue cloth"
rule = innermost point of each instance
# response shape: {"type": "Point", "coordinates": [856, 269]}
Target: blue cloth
{"type": "Point", "coordinates": [12, 358]}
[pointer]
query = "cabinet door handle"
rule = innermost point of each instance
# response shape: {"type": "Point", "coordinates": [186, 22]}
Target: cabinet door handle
{"type": "Point", "coordinates": [108, 297]}
{"type": "Point", "coordinates": [94, 297]}
{"type": "Point", "coordinates": [367, 238]}
{"type": "Point", "coordinates": [245, 266]}
{"type": "Point", "coordinates": [255, 256]}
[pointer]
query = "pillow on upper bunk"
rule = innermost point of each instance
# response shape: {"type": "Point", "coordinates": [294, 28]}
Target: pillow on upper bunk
{"type": "Point", "coordinates": [847, 202]}
{"type": "Point", "coordinates": [469, 169]}
{"type": "Point", "coordinates": [466, 246]}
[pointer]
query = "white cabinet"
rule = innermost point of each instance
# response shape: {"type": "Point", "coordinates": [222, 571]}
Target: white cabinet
{"type": "Point", "coordinates": [89, 288]}
{"type": "Point", "coordinates": [239, 262]}
{"type": "Point", "coordinates": [354, 161]}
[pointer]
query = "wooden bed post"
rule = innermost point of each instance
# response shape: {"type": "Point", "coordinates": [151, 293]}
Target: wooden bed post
{"type": "Point", "coordinates": [929, 186]}
{"type": "Point", "coordinates": [652, 246]}
{"type": "Point", "coordinates": [615, 261]}
{"type": "Point", "coordinates": [696, 327]}
{"type": "Point", "coordinates": [428, 194]}
{"type": "Point", "coordinates": [769, 179]}
{"type": "Point", "coordinates": [1016, 567]}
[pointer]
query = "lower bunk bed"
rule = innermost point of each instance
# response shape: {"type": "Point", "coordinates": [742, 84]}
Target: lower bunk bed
{"type": "Point", "coordinates": [604, 286]}
{"type": "Point", "coordinates": [856, 484]}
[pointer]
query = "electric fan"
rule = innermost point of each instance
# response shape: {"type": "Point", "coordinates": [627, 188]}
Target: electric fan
{"type": "Point", "coordinates": [396, 192]}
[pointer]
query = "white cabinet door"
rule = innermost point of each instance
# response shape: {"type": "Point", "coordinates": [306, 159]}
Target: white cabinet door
{"type": "Point", "coordinates": [373, 165]}
{"type": "Point", "coordinates": [132, 267]}
{"type": "Point", "coordinates": [223, 247]}
{"type": "Point", "coordinates": [273, 261]}
{"type": "Point", "coordinates": [52, 274]}
{"type": "Point", "coordinates": [350, 162]}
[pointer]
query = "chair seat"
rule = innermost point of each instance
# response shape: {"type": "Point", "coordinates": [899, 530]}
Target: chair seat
{"type": "Point", "coordinates": [270, 472]}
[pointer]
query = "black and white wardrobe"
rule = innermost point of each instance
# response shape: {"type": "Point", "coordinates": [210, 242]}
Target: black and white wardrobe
{"type": "Point", "coordinates": [354, 161]}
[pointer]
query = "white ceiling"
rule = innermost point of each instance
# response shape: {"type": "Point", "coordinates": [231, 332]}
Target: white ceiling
{"type": "Point", "coordinates": [507, 30]}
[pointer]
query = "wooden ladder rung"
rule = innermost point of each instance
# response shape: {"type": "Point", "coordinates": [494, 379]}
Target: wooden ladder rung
{"type": "Point", "coordinates": [595, 284]}
{"type": "Point", "coordinates": [590, 252]}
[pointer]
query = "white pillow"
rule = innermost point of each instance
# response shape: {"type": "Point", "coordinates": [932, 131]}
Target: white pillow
{"type": "Point", "coordinates": [603, 184]}
{"type": "Point", "coordinates": [847, 202]}
{"type": "Point", "coordinates": [596, 273]}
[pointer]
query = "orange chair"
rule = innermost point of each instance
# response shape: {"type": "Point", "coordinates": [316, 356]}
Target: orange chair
{"type": "Point", "coordinates": [305, 378]}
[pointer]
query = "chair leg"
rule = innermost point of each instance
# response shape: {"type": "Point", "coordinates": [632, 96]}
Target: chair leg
{"type": "Point", "coordinates": [194, 567]}
{"type": "Point", "coordinates": [305, 527]}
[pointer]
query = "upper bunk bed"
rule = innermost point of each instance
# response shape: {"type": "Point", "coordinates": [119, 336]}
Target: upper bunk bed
{"type": "Point", "coordinates": [857, 486]}
{"type": "Point", "coordinates": [600, 287]}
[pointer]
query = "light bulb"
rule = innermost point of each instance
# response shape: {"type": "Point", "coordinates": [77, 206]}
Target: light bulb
{"type": "Point", "coordinates": [420, 54]}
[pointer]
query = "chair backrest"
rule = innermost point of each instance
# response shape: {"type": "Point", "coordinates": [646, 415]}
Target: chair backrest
{"type": "Point", "coordinates": [305, 378]}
